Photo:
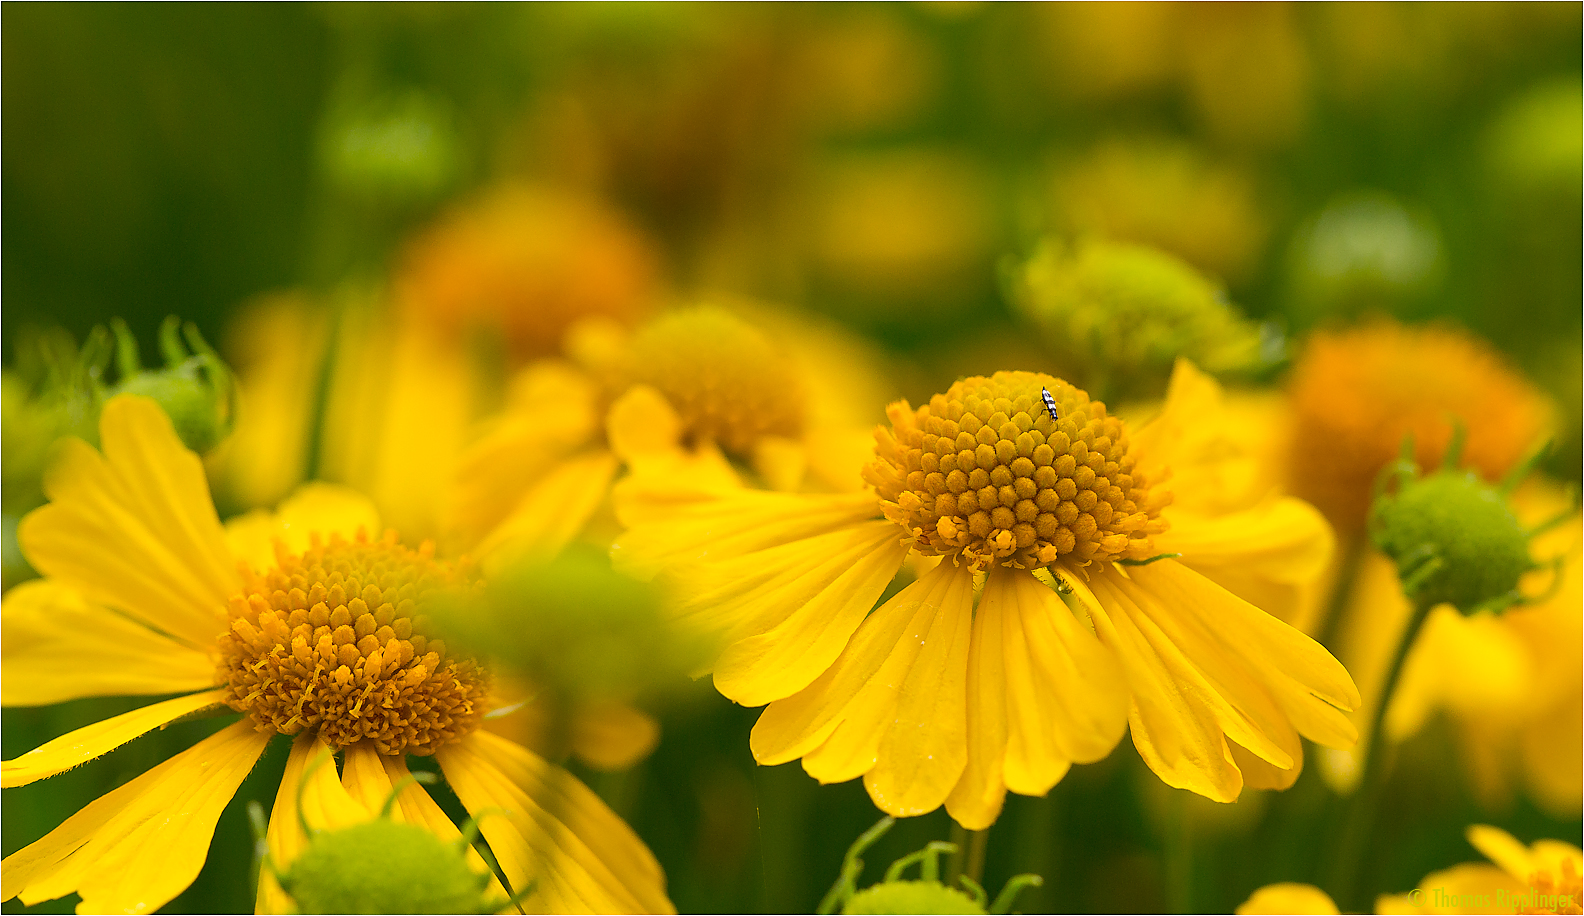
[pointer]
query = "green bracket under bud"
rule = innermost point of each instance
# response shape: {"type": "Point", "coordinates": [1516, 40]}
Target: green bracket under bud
{"type": "Point", "coordinates": [926, 895]}
{"type": "Point", "coordinates": [196, 388]}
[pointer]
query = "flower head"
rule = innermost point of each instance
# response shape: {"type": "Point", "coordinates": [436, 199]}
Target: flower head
{"type": "Point", "coordinates": [1051, 621]}
{"type": "Point", "coordinates": [300, 620]}
{"type": "Point", "coordinates": [1357, 392]}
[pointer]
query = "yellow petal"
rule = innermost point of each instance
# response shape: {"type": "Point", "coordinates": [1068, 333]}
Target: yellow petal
{"type": "Point", "coordinates": [642, 425]}
{"type": "Point", "coordinates": [797, 605]}
{"type": "Point", "coordinates": [976, 801]}
{"type": "Point", "coordinates": [134, 528]}
{"type": "Point", "coordinates": [667, 526]}
{"type": "Point", "coordinates": [313, 508]}
{"type": "Point", "coordinates": [1195, 657]}
{"type": "Point", "coordinates": [782, 462]}
{"type": "Point", "coordinates": [325, 804]}
{"type": "Point", "coordinates": [1309, 685]}
{"type": "Point", "coordinates": [1066, 693]}
{"type": "Point", "coordinates": [613, 736]}
{"type": "Point", "coordinates": [551, 416]}
{"type": "Point", "coordinates": [552, 512]}
{"type": "Point", "coordinates": [1273, 555]}
{"type": "Point", "coordinates": [369, 777]}
{"type": "Point", "coordinates": [1504, 850]}
{"type": "Point", "coordinates": [1288, 898]}
{"type": "Point", "coordinates": [58, 646]}
{"type": "Point", "coordinates": [858, 692]}
{"type": "Point", "coordinates": [1171, 714]}
{"type": "Point", "coordinates": [136, 848]}
{"type": "Point", "coordinates": [99, 739]}
{"type": "Point", "coordinates": [585, 859]}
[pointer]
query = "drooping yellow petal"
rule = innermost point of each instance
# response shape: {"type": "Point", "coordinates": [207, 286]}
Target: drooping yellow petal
{"type": "Point", "coordinates": [789, 610]}
{"type": "Point", "coordinates": [134, 528]}
{"type": "Point", "coordinates": [326, 805]}
{"type": "Point", "coordinates": [556, 831]}
{"type": "Point", "coordinates": [976, 801]}
{"type": "Point", "coordinates": [674, 525]}
{"type": "Point", "coordinates": [552, 413]}
{"type": "Point", "coordinates": [1242, 706]}
{"type": "Point", "coordinates": [100, 738]}
{"type": "Point", "coordinates": [136, 848]}
{"type": "Point", "coordinates": [1066, 693]}
{"type": "Point", "coordinates": [552, 512]}
{"type": "Point", "coordinates": [313, 508]}
{"type": "Point", "coordinates": [1503, 849]}
{"type": "Point", "coordinates": [613, 736]}
{"type": "Point", "coordinates": [893, 706]}
{"type": "Point", "coordinates": [1309, 685]}
{"type": "Point", "coordinates": [369, 776]}
{"type": "Point", "coordinates": [1173, 714]}
{"type": "Point", "coordinates": [57, 646]}
{"type": "Point", "coordinates": [1273, 555]}
{"type": "Point", "coordinates": [1288, 897]}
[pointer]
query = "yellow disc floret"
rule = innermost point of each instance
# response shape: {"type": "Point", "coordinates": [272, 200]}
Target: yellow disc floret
{"type": "Point", "coordinates": [984, 472]}
{"type": "Point", "coordinates": [332, 639]}
{"type": "Point", "coordinates": [726, 380]}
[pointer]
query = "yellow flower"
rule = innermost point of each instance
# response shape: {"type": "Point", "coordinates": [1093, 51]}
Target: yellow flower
{"type": "Point", "coordinates": [147, 594]}
{"type": "Point", "coordinates": [1288, 897]}
{"type": "Point", "coordinates": [1511, 682]}
{"type": "Point", "coordinates": [975, 679]}
{"type": "Point", "coordinates": [1541, 878]}
{"type": "Point", "coordinates": [688, 394]}
{"type": "Point", "coordinates": [1357, 392]}
{"type": "Point", "coordinates": [527, 263]}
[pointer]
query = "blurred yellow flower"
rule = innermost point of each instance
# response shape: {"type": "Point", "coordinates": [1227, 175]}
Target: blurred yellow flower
{"type": "Point", "coordinates": [690, 392]}
{"type": "Point", "coordinates": [146, 594]}
{"type": "Point", "coordinates": [936, 701]}
{"type": "Point", "coordinates": [526, 263]}
{"type": "Point", "coordinates": [1288, 897]}
{"type": "Point", "coordinates": [1511, 682]}
{"type": "Point", "coordinates": [1540, 878]}
{"type": "Point", "coordinates": [1356, 392]}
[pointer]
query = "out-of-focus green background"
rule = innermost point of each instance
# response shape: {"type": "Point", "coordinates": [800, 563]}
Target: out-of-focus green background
{"type": "Point", "coordinates": [872, 162]}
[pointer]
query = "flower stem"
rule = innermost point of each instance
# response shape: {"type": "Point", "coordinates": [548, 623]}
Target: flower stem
{"type": "Point", "coordinates": [1359, 826]}
{"type": "Point", "coordinates": [977, 841]}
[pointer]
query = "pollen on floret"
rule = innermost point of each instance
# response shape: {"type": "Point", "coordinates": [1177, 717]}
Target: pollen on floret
{"type": "Point", "coordinates": [983, 472]}
{"type": "Point", "coordinates": [728, 382]}
{"type": "Point", "coordinates": [333, 640]}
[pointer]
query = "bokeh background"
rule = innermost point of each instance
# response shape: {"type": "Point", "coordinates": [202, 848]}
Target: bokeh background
{"type": "Point", "coordinates": [884, 166]}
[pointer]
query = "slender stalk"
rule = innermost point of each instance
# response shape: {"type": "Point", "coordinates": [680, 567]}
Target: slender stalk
{"type": "Point", "coordinates": [977, 841]}
{"type": "Point", "coordinates": [954, 863]}
{"type": "Point", "coordinates": [1359, 828]}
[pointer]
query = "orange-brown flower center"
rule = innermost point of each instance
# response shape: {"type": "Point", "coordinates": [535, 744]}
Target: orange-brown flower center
{"type": "Point", "coordinates": [985, 472]}
{"type": "Point", "coordinates": [332, 639]}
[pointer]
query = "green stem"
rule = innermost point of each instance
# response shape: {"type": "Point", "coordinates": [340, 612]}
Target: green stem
{"type": "Point", "coordinates": [954, 864]}
{"type": "Point", "coordinates": [1359, 827]}
{"type": "Point", "coordinates": [977, 840]}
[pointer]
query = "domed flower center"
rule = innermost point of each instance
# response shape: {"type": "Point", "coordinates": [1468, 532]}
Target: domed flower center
{"type": "Point", "coordinates": [985, 472]}
{"type": "Point", "coordinates": [727, 381]}
{"type": "Point", "coordinates": [332, 640]}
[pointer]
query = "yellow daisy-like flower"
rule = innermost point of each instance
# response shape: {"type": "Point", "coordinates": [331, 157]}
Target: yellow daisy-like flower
{"type": "Point", "coordinates": [1539, 878]}
{"type": "Point", "coordinates": [976, 679]}
{"type": "Point", "coordinates": [305, 625]}
{"type": "Point", "coordinates": [1542, 878]}
{"type": "Point", "coordinates": [1357, 392]}
{"type": "Point", "coordinates": [697, 394]}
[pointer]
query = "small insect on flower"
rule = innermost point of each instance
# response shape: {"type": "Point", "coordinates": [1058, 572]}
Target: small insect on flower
{"type": "Point", "coordinates": [1050, 403]}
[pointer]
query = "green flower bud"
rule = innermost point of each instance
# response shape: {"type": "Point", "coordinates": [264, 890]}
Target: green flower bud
{"type": "Point", "coordinates": [575, 627]}
{"type": "Point", "coordinates": [1120, 314]}
{"type": "Point", "coordinates": [195, 389]}
{"type": "Point", "coordinates": [911, 897]}
{"type": "Point", "coordinates": [1453, 536]}
{"type": "Point", "coordinates": [926, 895]}
{"type": "Point", "coordinates": [383, 866]}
